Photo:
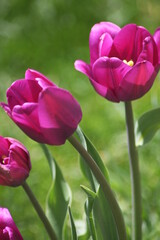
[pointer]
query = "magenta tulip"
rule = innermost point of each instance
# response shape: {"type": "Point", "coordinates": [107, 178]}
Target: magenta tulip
{"type": "Point", "coordinates": [45, 112]}
{"type": "Point", "coordinates": [123, 62]}
{"type": "Point", "coordinates": [15, 162]}
{"type": "Point", "coordinates": [8, 229]}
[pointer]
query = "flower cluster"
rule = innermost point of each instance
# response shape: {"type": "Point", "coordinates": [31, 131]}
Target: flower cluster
{"type": "Point", "coordinates": [123, 66]}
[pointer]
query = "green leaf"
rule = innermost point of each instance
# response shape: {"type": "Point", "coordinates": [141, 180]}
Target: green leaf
{"type": "Point", "coordinates": [103, 218]}
{"type": "Point", "coordinates": [99, 217]}
{"type": "Point", "coordinates": [146, 126]}
{"type": "Point", "coordinates": [89, 192]}
{"type": "Point", "coordinates": [87, 144]}
{"type": "Point", "coordinates": [89, 210]}
{"type": "Point", "coordinates": [104, 221]}
{"type": "Point", "coordinates": [84, 167]}
{"type": "Point", "coordinates": [58, 198]}
{"type": "Point", "coordinates": [73, 228]}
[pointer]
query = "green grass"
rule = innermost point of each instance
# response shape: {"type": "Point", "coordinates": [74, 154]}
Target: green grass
{"type": "Point", "coordinates": [49, 36]}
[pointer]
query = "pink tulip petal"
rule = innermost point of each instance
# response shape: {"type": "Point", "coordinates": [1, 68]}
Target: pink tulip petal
{"type": "Point", "coordinates": [19, 157]}
{"type": "Point", "coordinates": [105, 44]}
{"type": "Point", "coordinates": [128, 42]}
{"type": "Point", "coordinates": [56, 136]}
{"type": "Point", "coordinates": [59, 114]}
{"type": "Point", "coordinates": [4, 145]}
{"type": "Point", "coordinates": [22, 91]}
{"type": "Point", "coordinates": [102, 90]}
{"type": "Point", "coordinates": [83, 67]}
{"type": "Point", "coordinates": [96, 32]}
{"type": "Point", "coordinates": [137, 81]}
{"type": "Point", "coordinates": [26, 117]}
{"type": "Point", "coordinates": [31, 74]}
{"type": "Point", "coordinates": [8, 227]}
{"type": "Point", "coordinates": [6, 108]}
{"type": "Point", "coordinates": [149, 51]}
{"type": "Point", "coordinates": [18, 144]}
{"type": "Point", "coordinates": [58, 106]}
{"type": "Point", "coordinates": [6, 218]}
{"type": "Point", "coordinates": [156, 37]}
{"type": "Point", "coordinates": [12, 175]}
{"type": "Point", "coordinates": [109, 72]}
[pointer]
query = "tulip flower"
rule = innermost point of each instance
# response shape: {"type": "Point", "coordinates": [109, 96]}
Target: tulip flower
{"type": "Point", "coordinates": [45, 112]}
{"type": "Point", "coordinates": [15, 162]}
{"type": "Point", "coordinates": [8, 229]}
{"type": "Point", "coordinates": [123, 62]}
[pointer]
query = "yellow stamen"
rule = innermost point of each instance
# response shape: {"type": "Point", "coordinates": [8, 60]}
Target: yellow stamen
{"type": "Point", "coordinates": [3, 157]}
{"type": "Point", "coordinates": [130, 63]}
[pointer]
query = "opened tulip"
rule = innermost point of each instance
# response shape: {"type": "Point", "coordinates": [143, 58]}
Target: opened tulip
{"type": "Point", "coordinates": [123, 62]}
{"type": "Point", "coordinates": [8, 229]}
{"type": "Point", "coordinates": [45, 112]}
{"type": "Point", "coordinates": [15, 162]}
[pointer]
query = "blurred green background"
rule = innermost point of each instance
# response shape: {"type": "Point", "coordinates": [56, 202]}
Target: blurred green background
{"type": "Point", "coordinates": [49, 36]}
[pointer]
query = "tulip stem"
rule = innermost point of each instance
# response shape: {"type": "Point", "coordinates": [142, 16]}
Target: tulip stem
{"type": "Point", "coordinates": [109, 195]}
{"type": "Point", "coordinates": [39, 211]}
{"type": "Point", "coordinates": [135, 175]}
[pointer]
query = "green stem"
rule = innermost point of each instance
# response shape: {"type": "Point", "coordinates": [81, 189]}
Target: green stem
{"type": "Point", "coordinates": [39, 211]}
{"type": "Point", "coordinates": [104, 185]}
{"type": "Point", "coordinates": [135, 175]}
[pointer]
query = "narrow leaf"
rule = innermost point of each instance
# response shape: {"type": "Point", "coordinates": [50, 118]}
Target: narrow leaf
{"type": "Point", "coordinates": [73, 228]}
{"type": "Point", "coordinates": [58, 198]}
{"type": "Point", "coordinates": [146, 126]}
{"type": "Point", "coordinates": [89, 192]}
{"type": "Point", "coordinates": [103, 217]}
{"type": "Point", "coordinates": [100, 219]}
{"type": "Point", "coordinates": [89, 211]}
{"type": "Point", "coordinates": [104, 221]}
{"type": "Point", "coordinates": [84, 167]}
{"type": "Point", "coordinates": [88, 145]}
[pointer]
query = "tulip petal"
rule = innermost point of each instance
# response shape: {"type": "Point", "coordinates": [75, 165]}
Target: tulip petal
{"type": "Point", "coordinates": [58, 106]}
{"type": "Point", "coordinates": [156, 37]}
{"type": "Point", "coordinates": [105, 44]}
{"type": "Point", "coordinates": [96, 32]}
{"type": "Point", "coordinates": [59, 114]}
{"type": "Point", "coordinates": [26, 117]}
{"type": "Point", "coordinates": [6, 108]}
{"type": "Point", "coordinates": [149, 51]}
{"type": "Point", "coordinates": [109, 72]}
{"type": "Point", "coordinates": [8, 227]}
{"type": "Point", "coordinates": [6, 219]}
{"type": "Point", "coordinates": [102, 90]}
{"type": "Point", "coordinates": [4, 145]}
{"type": "Point", "coordinates": [83, 67]}
{"type": "Point", "coordinates": [128, 42]}
{"type": "Point", "coordinates": [137, 81]}
{"type": "Point", "coordinates": [19, 157]}
{"type": "Point", "coordinates": [31, 74]}
{"type": "Point", "coordinates": [22, 91]}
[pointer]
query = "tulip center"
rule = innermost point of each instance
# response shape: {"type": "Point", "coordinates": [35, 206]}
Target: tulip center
{"type": "Point", "coordinates": [129, 63]}
{"type": "Point", "coordinates": [2, 160]}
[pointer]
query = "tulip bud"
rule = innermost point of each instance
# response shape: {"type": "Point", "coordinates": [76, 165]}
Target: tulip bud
{"type": "Point", "coordinates": [46, 113]}
{"type": "Point", "coordinates": [8, 229]}
{"type": "Point", "coordinates": [15, 162]}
